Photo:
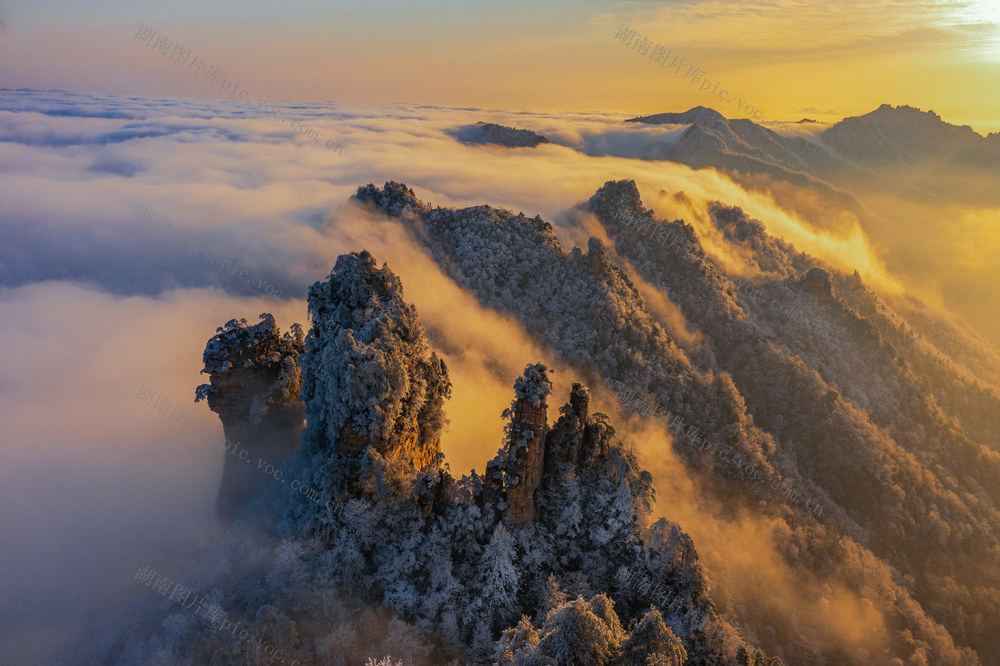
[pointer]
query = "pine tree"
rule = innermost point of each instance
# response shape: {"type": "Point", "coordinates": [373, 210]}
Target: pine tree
{"type": "Point", "coordinates": [517, 644]}
{"type": "Point", "coordinates": [573, 634]}
{"type": "Point", "coordinates": [651, 636]}
{"type": "Point", "coordinates": [499, 577]}
{"type": "Point", "coordinates": [554, 596]}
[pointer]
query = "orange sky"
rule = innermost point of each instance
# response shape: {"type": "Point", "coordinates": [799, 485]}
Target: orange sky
{"type": "Point", "coordinates": [787, 58]}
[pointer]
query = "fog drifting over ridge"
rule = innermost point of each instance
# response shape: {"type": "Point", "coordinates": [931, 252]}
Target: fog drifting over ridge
{"type": "Point", "coordinates": [96, 160]}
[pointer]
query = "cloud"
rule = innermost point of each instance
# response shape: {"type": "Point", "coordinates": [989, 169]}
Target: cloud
{"type": "Point", "coordinates": [818, 112]}
{"type": "Point", "coordinates": [764, 27]}
{"type": "Point", "coordinates": [95, 482]}
{"type": "Point", "coordinates": [100, 298]}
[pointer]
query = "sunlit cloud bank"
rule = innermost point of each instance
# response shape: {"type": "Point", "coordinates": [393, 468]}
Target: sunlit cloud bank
{"type": "Point", "coordinates": [238, 184]}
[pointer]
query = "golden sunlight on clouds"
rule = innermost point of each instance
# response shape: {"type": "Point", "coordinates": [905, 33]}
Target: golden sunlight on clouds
{"type": "Point", "coordinates": [847, 57]}
{"type": "Point", "coordinates": [804, 25]}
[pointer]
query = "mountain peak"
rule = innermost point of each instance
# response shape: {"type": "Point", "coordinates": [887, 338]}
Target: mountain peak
{"type": "Point", "coordinates": [395, 405]}
{"type": "Point", "coordinates": [392, 199]}
{"type": "Point", "coordinates": [903, 111]}
{"type": "Point", "coordinates": [621, 196]}
{"type": "Point", "coordinates": [501, 135]}
{"type": "Point", "coordinates": [903, 135]}
{"type": "Point", "coordinates": [698, 115]}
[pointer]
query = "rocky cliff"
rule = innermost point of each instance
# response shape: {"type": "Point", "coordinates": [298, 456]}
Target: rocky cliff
{"type": "Point", "coordinates": [254, 386]}
{"type": "Point", "coordinates": [371, 386]}
{"type": "Point", "coordinates": [798, 380]}
{"type": "Point", "coordinates": [526, 443]}
{"type": "Point", "coordinates": [562, 511]}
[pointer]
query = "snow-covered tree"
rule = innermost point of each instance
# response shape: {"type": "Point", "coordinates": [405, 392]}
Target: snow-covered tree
{"type": "Point", "coordinates": [368, 367]}
{"type": "Point", "coordinates": [500, 577]}
{"type": "Point", "coordinates": [574, 634]}
{"type": "Point", "coordinates": [517, 644]}
{"type": "Point", "coordinates": [652, 637]}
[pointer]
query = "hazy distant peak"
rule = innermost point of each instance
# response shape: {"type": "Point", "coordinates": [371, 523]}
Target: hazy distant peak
{"type": "Point", "coordinates": [700, 115]}
{"type": "Point", "coordinates": [907, 116]}
{"type": "Point", "coordinates": [904, 110]}
{"type": "Point", "coordinates": [907, 135]}
{"type": "Point", "coordinates": [500, 135]}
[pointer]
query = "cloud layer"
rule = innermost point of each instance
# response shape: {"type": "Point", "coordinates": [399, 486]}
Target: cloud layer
{"type": "Point", "coordinates": [132, 227]}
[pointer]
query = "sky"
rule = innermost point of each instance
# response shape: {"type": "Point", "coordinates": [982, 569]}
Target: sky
{"type": "Point", "coordinates": [786, 58]}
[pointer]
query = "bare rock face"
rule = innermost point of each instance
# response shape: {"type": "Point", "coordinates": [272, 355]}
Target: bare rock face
{"type": "Point", "coordinates": [409, 446]}
{"type": "Point", "coordinates": [535, 456]}
{"type": "Point", "coordinates": [565, 444]}
{"type": "Point", "coordinates": [254, 388]}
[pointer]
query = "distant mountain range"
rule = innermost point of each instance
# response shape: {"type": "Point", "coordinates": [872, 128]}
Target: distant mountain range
{"type": "Point", "coordinates": [905, 135]}
{"type": "Point", "coordinates": [923, 192]}
{"type": "Point", "coordinates": [887, 144]}
{"type": "Point", "coordinates": [891, 145]}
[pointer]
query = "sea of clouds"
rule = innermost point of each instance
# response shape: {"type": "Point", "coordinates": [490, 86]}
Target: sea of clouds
{"type": "Point", "coordinates": [131, 227]}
